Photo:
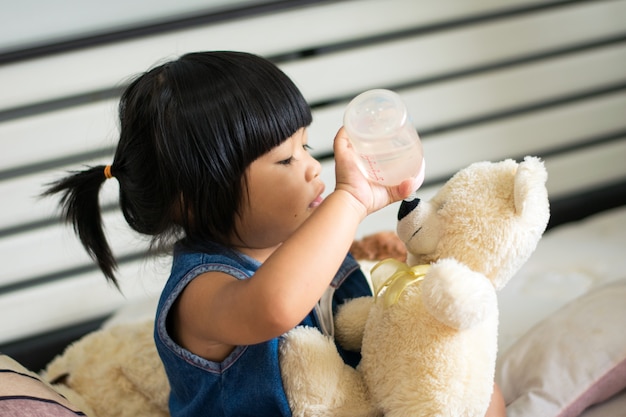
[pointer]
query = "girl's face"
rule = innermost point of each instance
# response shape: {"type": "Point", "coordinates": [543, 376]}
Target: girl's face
{"type": "Point", "coordinates": [284, 187]}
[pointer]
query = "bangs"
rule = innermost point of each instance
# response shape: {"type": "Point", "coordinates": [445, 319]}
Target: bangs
{"type": "Point", "coordinates": [258, 106]}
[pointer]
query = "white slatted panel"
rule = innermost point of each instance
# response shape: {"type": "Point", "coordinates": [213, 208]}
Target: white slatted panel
{"type": "Point", "coordinates": [474, 96]}
{"type": "Point", "coordinates": [294, 30]}
{"type": "Point", "coordinates": [479, 90]}
{"type": "Point", "coordinates": [432, 105]}
{"type": "Point", "coordinates": [390, 63]}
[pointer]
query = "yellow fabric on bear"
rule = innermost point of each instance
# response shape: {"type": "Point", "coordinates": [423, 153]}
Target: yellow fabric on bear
{"type": "Point", "coordinates": [391, 277]}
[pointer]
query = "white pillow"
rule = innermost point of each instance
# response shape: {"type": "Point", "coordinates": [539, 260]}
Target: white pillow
{"type": "Point", "coordinates": [571, 360]}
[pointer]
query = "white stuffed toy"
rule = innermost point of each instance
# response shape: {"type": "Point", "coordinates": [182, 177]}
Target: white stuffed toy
{"type": "Point", "coordinates": [429, 338]}
{"type": "Point", "coordinates": [113, 372]}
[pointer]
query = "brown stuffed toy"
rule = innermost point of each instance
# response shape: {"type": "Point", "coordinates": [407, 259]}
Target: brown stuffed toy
{"type": "Point", "coordinates": [377, 246]}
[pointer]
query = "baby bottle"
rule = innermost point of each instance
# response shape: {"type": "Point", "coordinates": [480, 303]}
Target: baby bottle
{"type": "Point", "coordinates": [381, 132]}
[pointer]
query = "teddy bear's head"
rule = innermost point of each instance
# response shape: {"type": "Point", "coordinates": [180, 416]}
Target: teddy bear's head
{"type": "Point", "coordinates": [489, 216]}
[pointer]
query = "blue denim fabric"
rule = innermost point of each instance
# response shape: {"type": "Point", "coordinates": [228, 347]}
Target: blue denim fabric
{"type": "Point", "coordinates": [248, 381]}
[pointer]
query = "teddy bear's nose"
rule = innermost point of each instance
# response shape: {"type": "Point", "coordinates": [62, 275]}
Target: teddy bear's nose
{"type": "Point", "coordinates": [407, 206]}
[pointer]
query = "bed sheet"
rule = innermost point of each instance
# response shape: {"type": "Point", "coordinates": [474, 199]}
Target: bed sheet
{"type": "Point", "coordinates": [570, 260]}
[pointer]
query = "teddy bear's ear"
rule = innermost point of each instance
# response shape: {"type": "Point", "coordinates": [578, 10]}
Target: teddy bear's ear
{"type": "Point", "coordinates": [531, 195]}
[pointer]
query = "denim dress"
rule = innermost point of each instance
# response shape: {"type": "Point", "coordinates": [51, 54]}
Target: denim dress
{"type": "Point", "coordinates": [248, 381]}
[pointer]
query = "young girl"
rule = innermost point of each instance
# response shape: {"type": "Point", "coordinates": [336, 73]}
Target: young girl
{"type": "Point", "coordinates": [213, 156]}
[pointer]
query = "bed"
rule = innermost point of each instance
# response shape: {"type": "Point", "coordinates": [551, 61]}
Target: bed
{"type": "Point", "coordinates": [562, 338]}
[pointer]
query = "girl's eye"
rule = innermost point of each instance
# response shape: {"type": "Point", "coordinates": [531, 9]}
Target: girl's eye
{"type": "Point", "coordinates": [291, 158]}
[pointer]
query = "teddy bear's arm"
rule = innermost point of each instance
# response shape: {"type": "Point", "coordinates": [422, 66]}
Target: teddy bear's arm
{"type": "Point", "coordinates": [350, 322]}
{"type": "Point", "coordinates": [457, 296]}
{"type": "Point", "coordinates": [316, 380]}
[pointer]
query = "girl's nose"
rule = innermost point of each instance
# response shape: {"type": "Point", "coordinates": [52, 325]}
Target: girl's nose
{"type": "Point", "coordinates": [314, 169]}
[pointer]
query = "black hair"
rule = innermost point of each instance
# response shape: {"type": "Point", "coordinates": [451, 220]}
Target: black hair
{"type": "Point", "coordinates": [189, 128]}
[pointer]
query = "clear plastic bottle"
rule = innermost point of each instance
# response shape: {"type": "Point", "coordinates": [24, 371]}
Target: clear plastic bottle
{"type": "Point", "coordinates": [383, 135]}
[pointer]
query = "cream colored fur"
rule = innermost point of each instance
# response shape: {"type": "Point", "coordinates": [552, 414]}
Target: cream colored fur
{"type": "Point", "coordinates": [433, 352]}
{"type": "Point", "coordinates": [113, 372]}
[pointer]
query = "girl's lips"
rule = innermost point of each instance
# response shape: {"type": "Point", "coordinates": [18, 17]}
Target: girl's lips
{"type": "Point", "coordinates": [316, 202]}
{"type": "Point", "coordinates": [319, 198]}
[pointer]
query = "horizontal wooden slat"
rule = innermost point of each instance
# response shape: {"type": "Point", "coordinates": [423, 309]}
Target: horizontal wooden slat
{"type": "Point", "coordinates": [106, 66]}
{"type": "Point", "coordinates": [517, 87]}
{"type": "Point", "coordinates": [535, 133]}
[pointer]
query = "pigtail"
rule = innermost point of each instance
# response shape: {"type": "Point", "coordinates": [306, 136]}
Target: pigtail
{"type": "Point", "coordinates": [80, 207]}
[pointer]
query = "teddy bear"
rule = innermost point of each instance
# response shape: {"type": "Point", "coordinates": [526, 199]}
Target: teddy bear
{"type": "Point", "coordinates": [428, 337]}
{"type": "Point", "coordinates": [113, 372]}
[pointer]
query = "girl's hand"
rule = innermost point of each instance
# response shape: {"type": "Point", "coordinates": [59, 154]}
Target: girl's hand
{"type": "Point", "coordinates": [349, 177]}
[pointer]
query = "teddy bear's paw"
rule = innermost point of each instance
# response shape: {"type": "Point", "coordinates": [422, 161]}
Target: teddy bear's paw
{"type": "Point", "coordinates": [350, 322]}
{"type": "Point", "coordinates": [317, 382]}
{"type": "Point", "coordinates": [457, 296]}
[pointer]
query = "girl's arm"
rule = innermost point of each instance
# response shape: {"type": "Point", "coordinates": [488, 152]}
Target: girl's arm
{"type": "Point", "coordinates": [219, 312]}
{"type": "Point", "coordinates": [497, 408]}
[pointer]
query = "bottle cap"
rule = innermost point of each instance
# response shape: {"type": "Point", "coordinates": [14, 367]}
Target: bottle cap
{"type": "Point", "coordinates": [374, 114]}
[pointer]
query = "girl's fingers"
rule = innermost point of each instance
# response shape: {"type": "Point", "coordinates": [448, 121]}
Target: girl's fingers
{"type": "Point", "coordinates": [372, 195]}
{"type": "Point", "coordinates": [409, 186]}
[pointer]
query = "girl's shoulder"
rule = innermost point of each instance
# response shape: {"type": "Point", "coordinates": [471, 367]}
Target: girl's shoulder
{"type": "Point", "coordinates": [213, 257]}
